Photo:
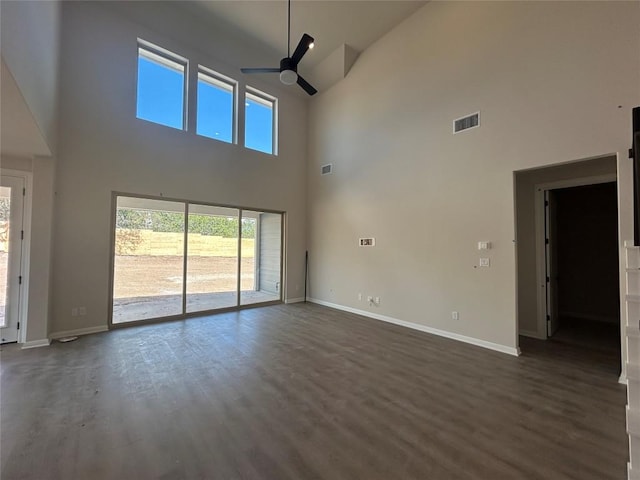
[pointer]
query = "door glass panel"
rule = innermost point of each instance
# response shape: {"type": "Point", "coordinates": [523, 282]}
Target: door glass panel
{"type": "Point", "coordinates": [261, 257]}
{"type": "Point", "coordinates": [212, 258]}
{"type": "Point", "coordinates": [149, 259]}
{"type": "Point", "coordinates": [5, 210]}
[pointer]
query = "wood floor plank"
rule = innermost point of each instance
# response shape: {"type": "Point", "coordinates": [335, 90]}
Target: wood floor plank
{"type": "Point", "coordinates": [306, 392]}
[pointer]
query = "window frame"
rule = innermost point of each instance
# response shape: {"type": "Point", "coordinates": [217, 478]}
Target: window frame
{"type": "Point", "coordinates": [251, 93]}
{"type": "Point", "coordinates": [169, 60]}
{"type": "Point", "coordinates": [187, 209]}
{"type": "Point", "coordinates": [219, 80]}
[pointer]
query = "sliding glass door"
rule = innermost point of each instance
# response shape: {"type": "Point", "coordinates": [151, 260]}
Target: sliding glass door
{"type": "Point", "coordinates": [172, 258]}
{"type": "Point", "coordinates": [212, 261]}
{"type": "Point", "coordinates": [148, 267]}
{"type": "Point", "coordinates": [261, 257]}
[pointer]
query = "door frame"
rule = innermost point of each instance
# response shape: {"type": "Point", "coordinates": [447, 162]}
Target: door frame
{"type": "Point", "coordinates": [540, 190]}
{"type": "Point", "coordinates": [23, 302]}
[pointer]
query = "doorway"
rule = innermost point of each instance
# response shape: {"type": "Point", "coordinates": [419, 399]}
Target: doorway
{"type": "Point", "coordinates": [12, 191]}
{"type": "Point", "coordinates": [565, 334]}
{"type": "Point", "coordinates": [582, 267]}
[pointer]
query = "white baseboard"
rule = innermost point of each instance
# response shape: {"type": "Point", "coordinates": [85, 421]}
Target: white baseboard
{"type": "Point", "coordinates": [45, 342]}
{"type": "Point", "coordinates": [532, 334]}
{"type": "Point", "coordinates": [294, 300]}
{"type": "Point", "coordinates": [423, 328]}
{"type": "Point", "coordinates": [78, 332]}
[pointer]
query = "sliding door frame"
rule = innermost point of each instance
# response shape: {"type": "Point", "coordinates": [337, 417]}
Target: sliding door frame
{"type": "Point", "coordinates": [185, 315]}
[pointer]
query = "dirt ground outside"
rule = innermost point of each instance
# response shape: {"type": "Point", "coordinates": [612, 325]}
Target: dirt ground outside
{"type": "Point", "coordinates": [147, 286]}
{"type": "Point", "coordinates": [147, 275]}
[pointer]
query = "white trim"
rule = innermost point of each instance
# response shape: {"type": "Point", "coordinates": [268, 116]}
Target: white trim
{"type": "Point", "coordinates": [423, 328]}
{"type": "Point", "coordinates": [633, 298]}
{"type": "Point", "coordinates": [23, 302]}
{"type": "Point", "coordinates": [79, 331]}
{"type": "Point", "coordinates": [294, 300]}
{"type": "Point", "coordinates": [633, 372]}
{"type": "Point", "coordinates": [45, 342]}
{"type": "Point", "coordinates": [622, 379]}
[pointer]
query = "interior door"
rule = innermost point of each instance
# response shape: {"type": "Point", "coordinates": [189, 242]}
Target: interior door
{"type": "Point", "coordinates": [11, 216]}
{"type": "Point", "coordinates": [551, 261]}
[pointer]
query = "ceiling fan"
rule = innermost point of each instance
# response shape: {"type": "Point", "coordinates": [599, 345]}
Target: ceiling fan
{"type": "Point", "coordinates": [289, 65]}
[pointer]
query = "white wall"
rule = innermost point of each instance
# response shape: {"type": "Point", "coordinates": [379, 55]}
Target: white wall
{"type": "Point", "coordinates": [104, 148]}
{"type": "Point", "coordinates": [548, 78]}
{"type": "Point", "coordinates": [30, 33]}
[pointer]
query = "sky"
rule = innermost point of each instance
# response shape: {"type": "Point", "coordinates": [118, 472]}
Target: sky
{"type": "Point", "coordinates": [161, 100]}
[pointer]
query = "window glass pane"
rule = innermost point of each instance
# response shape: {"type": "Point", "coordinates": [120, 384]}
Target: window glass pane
{"type": "Point", "coordinates": [260, 262]}
{"type": "Point", "coordinates": [5, 236]}
{"type": "Point", "coordinates": [215, 108]}
{"type": "Point", "coordinates": [212, 258]}
{"type": "Point", "coordinates": [148, 264]}
{"type": "Point", "coordinates": [259, 125]}
{"type": "Point", "coordinates": [160, 89]}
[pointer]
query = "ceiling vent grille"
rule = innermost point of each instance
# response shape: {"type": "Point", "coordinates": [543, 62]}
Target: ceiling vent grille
{"type": "Point", "coordinates": [466, 123]}
{"type": "Point", "coordinates": [326, 169]}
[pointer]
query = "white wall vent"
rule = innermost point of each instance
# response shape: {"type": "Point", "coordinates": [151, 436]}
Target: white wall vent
{"type": "Point", "coordinates": [326, 169]}
{"type": "Point", "coordinates": [466, 123]}
{"type": "Point", "coordinates": [367, 242]}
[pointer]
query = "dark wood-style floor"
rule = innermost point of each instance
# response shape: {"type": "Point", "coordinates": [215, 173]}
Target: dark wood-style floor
{"type": "Point", "coordinates": [305, 392]}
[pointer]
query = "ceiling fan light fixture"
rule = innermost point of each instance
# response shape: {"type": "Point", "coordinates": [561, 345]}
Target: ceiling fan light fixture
{"type": "Point", "coordinates": [288, 77]}
{"type": "Point", "coordinates": [289, 65]}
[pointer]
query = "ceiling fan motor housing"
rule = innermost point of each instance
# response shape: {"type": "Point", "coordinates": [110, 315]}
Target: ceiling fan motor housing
{"type": "Point", "coordinates": [288, 70]}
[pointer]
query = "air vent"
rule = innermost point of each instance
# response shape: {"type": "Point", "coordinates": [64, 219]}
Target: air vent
{"type": "Point", "coordinates": [466, 123]}
{"type": "Point", "coordinates": [367, 242]}
{"type": "Point", "coordinates": [326, 169]}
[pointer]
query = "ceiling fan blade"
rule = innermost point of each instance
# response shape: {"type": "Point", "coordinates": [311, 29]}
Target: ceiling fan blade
{"type": "Point", "coordinates": [260, 70]}
{"type": "Point", "coordinates": [302, 48]}
{"type": "Point", "coordinates": [306, 86]}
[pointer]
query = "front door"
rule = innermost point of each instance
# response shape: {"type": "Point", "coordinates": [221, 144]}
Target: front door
{"type": "Point", "coordinates": [11, 234]}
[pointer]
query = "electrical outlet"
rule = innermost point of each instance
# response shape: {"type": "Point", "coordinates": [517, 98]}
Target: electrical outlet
{"type": "Point", "coordinates": [377, 300]}
{"type": "Point", "coordinates": [484, 262]}
{"type": "Point", "coordinates": [370, 299]}
{"type": "Point", "coordinates": [74, 312]}
{"type": "Point", "coordinates": [82, 310]}
{"type": "Point", "coordinates": [455, 316]}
